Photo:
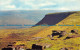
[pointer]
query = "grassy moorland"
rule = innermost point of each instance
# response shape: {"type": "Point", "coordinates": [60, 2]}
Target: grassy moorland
{"type": "Point", "coordinates": [73, 19]}
{"type": "Point", "coordinates": [26, 36]}
{"type": "Point", "coordinates": [17, 35]}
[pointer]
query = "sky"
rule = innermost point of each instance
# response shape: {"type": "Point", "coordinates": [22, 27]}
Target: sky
{"type": "Point", "coordinates": [39, 4]}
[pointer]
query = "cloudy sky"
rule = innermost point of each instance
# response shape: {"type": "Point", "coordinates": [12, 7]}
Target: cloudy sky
{"type": "Point", "coordinates": [39, 4]}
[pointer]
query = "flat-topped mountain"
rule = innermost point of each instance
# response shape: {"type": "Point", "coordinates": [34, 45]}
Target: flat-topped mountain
{"type": "Point", "coordinates": [52, 19]}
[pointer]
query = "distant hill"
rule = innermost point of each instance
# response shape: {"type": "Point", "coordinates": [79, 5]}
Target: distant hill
{"type": "Point", "coordinates": [28, 17]}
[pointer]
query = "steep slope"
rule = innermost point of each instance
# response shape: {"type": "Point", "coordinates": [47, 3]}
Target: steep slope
{"type": "Point", "coordinates": [52, 19]}
{"type": "Point", "coordinates": [72, 19]}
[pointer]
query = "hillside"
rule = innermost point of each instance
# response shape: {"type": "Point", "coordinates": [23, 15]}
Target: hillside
{"type": "Point", "coordinates": [58, 43]}
{"type": "Point", "coordinates": [21, 17]}
{"type": "Point", "coordinates": [12, 35]}
{"type": "Point", "coordinates": [72, 19]}
{"type": "Point", "coordinates": [39, 34]}
{"type": "Point", "coordinates": [52, 19]}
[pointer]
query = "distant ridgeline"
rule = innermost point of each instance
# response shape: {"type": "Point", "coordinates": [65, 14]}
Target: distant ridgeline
{"type": "Point", "coordinates": [54, 18]}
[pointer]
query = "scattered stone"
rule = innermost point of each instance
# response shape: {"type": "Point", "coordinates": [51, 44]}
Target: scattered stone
{"type": "Point", "coordinates": [47, 46]}
{"type": "Point", "coordinates": [54, 33]}
{"type": "Point", "coordinates": [49, 36]}
{"type": "Point", "coordinates": [70, 48]}
{"type": "Point", "coordinates": [74, 31]}
{"type": "Point", "coordinates": [36, 47]}
{"type": "Point", "coordinates": [72, 36]}
{"type": "Point", "coordinates": [63, 49]}
{"type": "Point", "coordinates": [7, 49]}
{"type": "Point", "coordinates": [60, 33]}
{"type": "Point", "coordinates": [28, 49]}
{"type": "Point", "coordinates": [36, 38]}
{"type": "Point", "coordinates": [63, 33]}
{"type": "Point", "coordinates": [52, 39]}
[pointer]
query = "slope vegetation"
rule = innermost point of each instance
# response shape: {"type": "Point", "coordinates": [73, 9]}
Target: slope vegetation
{"type": "Point", "coordinates": [72, 19]}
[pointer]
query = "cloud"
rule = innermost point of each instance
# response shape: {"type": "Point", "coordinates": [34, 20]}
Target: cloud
{"type": "Point", "coordinates": [5, 5]}
{"type": "Point", "coordinates": [10, 6]}
{"type": "Point", "coordinates": [4, 2]}
{"type": "Point", "coordinates": [61, 8]}
{"type": "Point", "coordinates": [39, 4]}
